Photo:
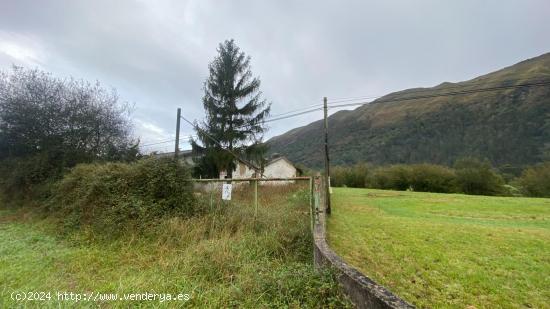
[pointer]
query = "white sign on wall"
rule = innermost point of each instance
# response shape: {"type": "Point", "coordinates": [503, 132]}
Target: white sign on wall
{"type": "Point", "coordinates": [226, 191]}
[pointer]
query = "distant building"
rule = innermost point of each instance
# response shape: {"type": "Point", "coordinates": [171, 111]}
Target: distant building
{"type": "Point", "coordinates": [280, 167]}
{"type": "Point", "coordinates": [277, 167]}
{"type": "Point", "coordinates": [184, 155]}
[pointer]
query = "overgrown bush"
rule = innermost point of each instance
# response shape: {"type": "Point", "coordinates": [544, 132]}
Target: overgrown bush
{"type": "Point", "coordinates": [417, 177]}
{"type": "Point", "coordinates": [535, 181]}
{"type": "Point", "coordinates": [469, 176]}
{"type": "Point", "coordinates": [352, 176]}
{"type": "Point", "coordinates": [262, 257]}
{"type": "Point", "coordinates": [114, 197]}
{"type": "Point", "coordinates": [229, 254]}
{"type": "Point", "coordinates": [267, 253]}
{"type": "Point", "coordinates": [478, 177]}
{"type": "Point", "coordinates": [394, 177]}
{"type": "Point", "coordinates": [26, 178]}
{"type": "Point", "coordinates": [281, 227]}
{"type": "Point", "coordinates": [432, 178]}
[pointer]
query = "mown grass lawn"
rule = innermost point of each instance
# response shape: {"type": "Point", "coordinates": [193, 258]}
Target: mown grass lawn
{"type": "Point", "coordinates": [447, 250]}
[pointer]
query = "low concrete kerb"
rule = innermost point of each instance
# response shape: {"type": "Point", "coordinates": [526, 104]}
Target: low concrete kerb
{"type": "Point", "coordinates": [362, 291]}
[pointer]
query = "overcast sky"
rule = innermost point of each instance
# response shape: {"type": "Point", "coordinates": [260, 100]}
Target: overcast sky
{"type": "Point", "coordinates": [156, 53]}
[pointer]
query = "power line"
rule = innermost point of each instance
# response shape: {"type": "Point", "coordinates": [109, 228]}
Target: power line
{"type": "Point", "coordinates": [265, 121]}
{"type": "Point", "coordinates": [338, 100]}
{"type": "Point", "coordinates": [152, 142]}
{"type": "Point", "coordinates": [313, 108]}
{"type": "Point", "coordinates": [219, 144]}
{"type": "Point", "coordinates": [168, 141]}
{"type": "Point", "coordinates": [297, 110]}
{"type": "Point", "coordinates": [283, 117]}
{"type": "Point", "coordinates": [274, 118]}
{"type": "Point", "coordinates": [293, 115]}
{"type": "Point", "coordinates": [160, 142]}
{"type": "Point", "coordinates": [448, 94]}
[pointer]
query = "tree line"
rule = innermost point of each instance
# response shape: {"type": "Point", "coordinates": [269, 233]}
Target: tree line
{"type": "Point", "coordinates": [467, 175]}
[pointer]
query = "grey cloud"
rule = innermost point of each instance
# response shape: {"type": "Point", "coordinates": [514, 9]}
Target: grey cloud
{"type": "Point", "coordinates": [156, 53]}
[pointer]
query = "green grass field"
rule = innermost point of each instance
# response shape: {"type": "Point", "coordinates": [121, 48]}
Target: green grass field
{"type": "Point", "coordinates": [223, 259]}
{"type": "Point", "coordinates": [447, 250]}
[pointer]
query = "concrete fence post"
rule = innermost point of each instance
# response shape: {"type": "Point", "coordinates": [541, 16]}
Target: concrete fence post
{"type": "Point", "coordinates": [255, 198]}
{"type": "Point", "coordinates": [362, 291]}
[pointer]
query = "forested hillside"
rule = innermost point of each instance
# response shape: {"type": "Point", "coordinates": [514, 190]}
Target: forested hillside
{"type": "Point", "coordinates": [508, 126]}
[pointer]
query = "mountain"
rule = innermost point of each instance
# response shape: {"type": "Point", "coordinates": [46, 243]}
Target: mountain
{"type": "Point", "coordinates": [508, 126]}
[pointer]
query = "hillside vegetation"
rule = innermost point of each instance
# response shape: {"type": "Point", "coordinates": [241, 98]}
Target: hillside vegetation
{"type": "Point", "coordinates": [510, 127]}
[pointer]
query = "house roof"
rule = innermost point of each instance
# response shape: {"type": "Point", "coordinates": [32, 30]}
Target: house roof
{"type": "Point", "coordinates": [279, 158]}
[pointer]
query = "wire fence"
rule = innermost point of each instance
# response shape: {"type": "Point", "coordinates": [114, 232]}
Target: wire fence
{"type": "Point", "coordinates": [262, 193]}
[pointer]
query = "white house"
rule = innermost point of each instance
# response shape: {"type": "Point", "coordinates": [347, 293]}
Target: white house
{"type": "Point", "coordinates": [280, 167]}
{"type": "Point", "coordinates": [277, 167]}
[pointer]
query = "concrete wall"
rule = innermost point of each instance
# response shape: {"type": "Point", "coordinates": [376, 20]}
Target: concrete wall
{"type": "Point", "coordinates": [363, 292]}
{"type": "Point", "coordinates": [280, 169]}
{"type": "Point", "coordinates": [243, 171]}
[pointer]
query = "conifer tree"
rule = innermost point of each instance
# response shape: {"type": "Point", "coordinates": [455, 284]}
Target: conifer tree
{"type": "Point", "coordinates": [235, 114]}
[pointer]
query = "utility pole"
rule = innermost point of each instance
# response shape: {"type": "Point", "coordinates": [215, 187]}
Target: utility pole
{"type": "Point", "coordinates": [177, 150]}
{"type": "Point", "coordinates": [327, 161]}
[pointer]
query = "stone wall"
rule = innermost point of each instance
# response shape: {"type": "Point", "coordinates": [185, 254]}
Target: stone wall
{"type": "Point", "coordinates": [363, 292]}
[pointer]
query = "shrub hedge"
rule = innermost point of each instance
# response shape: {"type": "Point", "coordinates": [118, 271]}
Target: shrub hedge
{"type": "Point", "coordinates": [535, 181]}
{"type": "Point", "coordinates": [114, 197]}
{"type": "Point", "coordinates": [350, 176]}
{"type": "Point", "coordinates": [25, 178]}
{"type": "Point", "coordinates": [432, 178]}
{"type": "Point", "coordinates": [470, 176]}
{"type": "Point", "coordinates": [478, 177]}
{"type": "Point", "coordinates": [393, 177]}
